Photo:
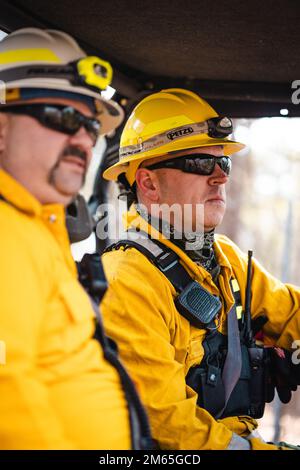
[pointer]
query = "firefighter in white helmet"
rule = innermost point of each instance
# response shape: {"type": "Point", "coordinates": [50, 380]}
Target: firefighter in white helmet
{"type": "Point", "coordinates": [177, 302]}
{"type": "Point", "coordinates": [60, 388]}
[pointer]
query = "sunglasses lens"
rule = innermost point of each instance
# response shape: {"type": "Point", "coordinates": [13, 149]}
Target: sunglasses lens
{"type": "Point", "coordinates": [93, 127]}
{"type": "Point", "coordinates": [68, 120]}
{"type": "Point", "coordinates": [225, 164]}
{"type": "Point", "coordinates": [71, 120]}
{"type": "Point", "coordinates": [61, 119]}
{"type": "Point", "coordinates": [206, 165]}
{"type": "Point", "coordinates": [51, 117]}
{"type": "Point", "coordinates": [199, 166]}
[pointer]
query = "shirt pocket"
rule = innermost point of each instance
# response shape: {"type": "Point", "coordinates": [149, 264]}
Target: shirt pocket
{"type": "Point", "coordinates": [69, 324]}
{"type": "Point", "coordinates": [76, 301]}
{"type": "Point", "coordinates": [80, 324]}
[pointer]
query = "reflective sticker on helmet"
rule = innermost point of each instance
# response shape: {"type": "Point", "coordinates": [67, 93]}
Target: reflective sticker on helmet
{"type": "Point", "coordinates": [13, 94]}
{"type": "Point", "coordinates": [2, 92]}
{"type": "Point", "coordinates": [217, 128]}
{"type": "Point", "coordinates": [28, 55]}
{"type": "Point", "coordinates": [164, 138]}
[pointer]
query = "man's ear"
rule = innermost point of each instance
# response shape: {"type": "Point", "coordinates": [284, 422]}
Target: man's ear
{"type": "Point", "coordinates": [147, 183]}
{"type": "Point", "coordinates": [3, 129]}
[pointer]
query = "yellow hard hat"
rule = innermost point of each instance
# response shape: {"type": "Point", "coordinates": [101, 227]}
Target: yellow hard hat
{"type": "Point", "coordinates": [168, 121]}
{"type": "Point", "coordinates": [51, 63]}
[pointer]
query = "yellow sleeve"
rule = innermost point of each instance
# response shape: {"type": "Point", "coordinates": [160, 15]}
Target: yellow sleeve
{"type": "Point", "coordinates": [137, 314]}
{"type": "Point", "coordinates": [280, 303]}
{"type": "Point", "coordinates": [27, 418]}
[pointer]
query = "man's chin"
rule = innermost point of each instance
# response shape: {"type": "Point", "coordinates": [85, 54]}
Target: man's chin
{"type": "Point", "coordinates": [211, 224]}
{"type": "Point", "coordinates": [69, 186]}
{"type": "Point", "coordinates": [66, 194]}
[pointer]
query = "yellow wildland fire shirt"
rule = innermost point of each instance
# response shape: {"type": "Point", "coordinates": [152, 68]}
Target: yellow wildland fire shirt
{"type": "Point", "coordinates": [56, 389]}
{"type": "Point", "coordinates": [159, 346]}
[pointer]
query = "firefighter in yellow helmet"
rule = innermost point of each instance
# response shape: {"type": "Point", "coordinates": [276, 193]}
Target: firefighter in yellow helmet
{"type": "Point", "coordinates": [60, 388]}
{"type": "Point", "coordinates": [177, 303]}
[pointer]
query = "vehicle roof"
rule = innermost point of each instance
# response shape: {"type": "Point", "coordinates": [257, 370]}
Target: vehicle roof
{"type": "Point", "coordinates": [241, 55]}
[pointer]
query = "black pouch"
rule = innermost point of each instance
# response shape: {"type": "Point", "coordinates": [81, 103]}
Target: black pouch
{"type": "Point", "coordinates": [257, 383]}
{"type": "Point", "coordinates": [209, 386]}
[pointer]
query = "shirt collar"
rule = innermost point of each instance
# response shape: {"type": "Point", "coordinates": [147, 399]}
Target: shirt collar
{"type": "Point", "coordinates": [19, 197]}
{"type": "Point", "coordinates": [14, 193]}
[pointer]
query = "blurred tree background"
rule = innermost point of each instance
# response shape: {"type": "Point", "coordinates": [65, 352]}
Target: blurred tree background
{"type": "Point", "coordinates": [263, 202]}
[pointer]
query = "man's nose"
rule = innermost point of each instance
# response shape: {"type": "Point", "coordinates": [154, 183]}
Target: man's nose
{"type": "Point", "coordinates": [218, 177]}
{"type": "Point", "coordinates": [83, 140]}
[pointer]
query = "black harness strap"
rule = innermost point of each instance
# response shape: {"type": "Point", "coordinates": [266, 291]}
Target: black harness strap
{"type": "Point", "coordinates": [194, 302]}
{"type": "Point", "coordinates": [166, 260]}
{"type": "Point", "coordinates": [140, 429]}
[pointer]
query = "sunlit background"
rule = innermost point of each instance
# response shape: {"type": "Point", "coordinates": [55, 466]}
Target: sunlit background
{"type": "Point", "coordinates": [264, 215]}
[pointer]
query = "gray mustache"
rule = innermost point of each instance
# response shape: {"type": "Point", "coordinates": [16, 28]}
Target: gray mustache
{"type": "Point", "coordinates": [72, 150]}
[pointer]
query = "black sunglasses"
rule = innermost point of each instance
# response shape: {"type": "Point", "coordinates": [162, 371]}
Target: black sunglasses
{"type": "Point", "coordinates": [198, 163]}
{"type": "Point", "coordinates": [60, 118]}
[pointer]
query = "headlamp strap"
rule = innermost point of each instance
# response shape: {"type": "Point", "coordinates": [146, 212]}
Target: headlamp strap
{"type": "Point", "coordinates": [38, 71]}
{"type": "Point", "coordinates": [90, 72]}
{"type": "Point", "coordinates": [203, 127]}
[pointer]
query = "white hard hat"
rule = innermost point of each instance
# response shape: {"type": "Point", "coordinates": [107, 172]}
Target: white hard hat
{"type": "Point", "coordinates": [51, 63]}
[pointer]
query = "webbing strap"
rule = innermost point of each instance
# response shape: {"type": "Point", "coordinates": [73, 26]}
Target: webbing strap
{"type": "Point", "coordinates": [140, 429]}
{"type": "Point", "coordinates": [166, 260]}
{"type": "Point", "coordinates": [233, 362]}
